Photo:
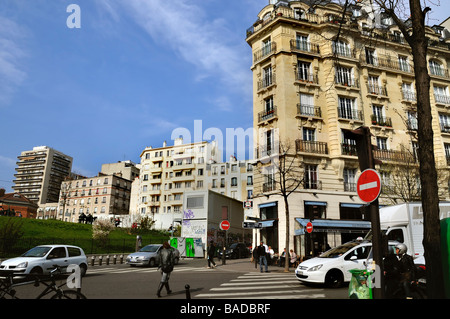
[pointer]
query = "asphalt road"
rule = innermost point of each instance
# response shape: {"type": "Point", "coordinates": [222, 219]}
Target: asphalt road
{"type": "Point", "coordinates": [237, 279]}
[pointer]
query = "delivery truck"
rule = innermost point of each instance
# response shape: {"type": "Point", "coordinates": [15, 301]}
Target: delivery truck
{"type": "Point", "coordinates": [404, 223]}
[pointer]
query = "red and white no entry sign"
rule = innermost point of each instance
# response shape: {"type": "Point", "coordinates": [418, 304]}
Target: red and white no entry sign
{"type": "Point", "coordinates": [368, 185]}
{"type": "Point", "coordinates": [309, 227]}
{"type": "Point", "coordinates": [224, 225]}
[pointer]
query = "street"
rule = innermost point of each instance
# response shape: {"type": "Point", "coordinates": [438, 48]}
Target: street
{"type": "Point", "coordinates": [237, 279]}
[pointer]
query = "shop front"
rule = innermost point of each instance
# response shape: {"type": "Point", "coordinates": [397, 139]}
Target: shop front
{"type": "Point", "coordinates": [325, 234]}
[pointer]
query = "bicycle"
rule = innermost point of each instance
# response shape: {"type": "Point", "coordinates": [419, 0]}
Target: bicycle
{"type": "Point", "coordinates": [7, 286]}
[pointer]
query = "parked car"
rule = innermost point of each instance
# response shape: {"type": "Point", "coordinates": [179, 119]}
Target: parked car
{"type": "Point", "coordinates": [41, 260]}
{"type": "Point", "coordinates": [236, 250]}
{"type": "Point", "coordinates": [332, 267]}
{"type": "Point", "coordinates": [148, 256]}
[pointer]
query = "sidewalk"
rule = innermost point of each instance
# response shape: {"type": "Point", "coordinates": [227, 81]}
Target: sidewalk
{"type": "Point", "coordinates": [245, 265]}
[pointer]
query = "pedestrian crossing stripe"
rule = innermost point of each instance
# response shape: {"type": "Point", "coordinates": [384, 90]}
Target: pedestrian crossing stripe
{"type": "Point", "coordinates": [141, 270]}
{"type": "Point", "coordinates": [263, 286]}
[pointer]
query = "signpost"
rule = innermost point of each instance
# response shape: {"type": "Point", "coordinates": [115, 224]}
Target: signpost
{"type": "Point", "coordinates": [309, 227]}
{"type": "Point", "coordinates": [370, 190]}
{"type": "Point", "coordinates": [368, 185]}
{"type": "Point", "coordinates": [251, 225]}
{"type": "Point", "coordinates": [224, 225]}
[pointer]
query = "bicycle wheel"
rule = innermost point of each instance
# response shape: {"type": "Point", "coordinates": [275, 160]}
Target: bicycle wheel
{"type": "Point", "coordinates": [68, 294]}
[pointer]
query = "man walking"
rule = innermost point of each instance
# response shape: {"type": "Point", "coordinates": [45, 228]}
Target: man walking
{"type": "Point", "coordinates": [166, 262]}
{"type": "Point", "coordinates": [262, 256]}
{"type": "Point", "coordinates": [211, 253]}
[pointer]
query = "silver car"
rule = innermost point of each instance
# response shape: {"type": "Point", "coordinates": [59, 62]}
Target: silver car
{"type": "Point", "coordinates": [41, 260]}
{"type": "Point", "coordinates": [148, 256]}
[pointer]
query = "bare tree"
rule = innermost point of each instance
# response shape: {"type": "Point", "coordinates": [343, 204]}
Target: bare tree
{"type": "Point", "coordinates": [414, 33]}
{"type": "Point", "coordinates": [283, 176]}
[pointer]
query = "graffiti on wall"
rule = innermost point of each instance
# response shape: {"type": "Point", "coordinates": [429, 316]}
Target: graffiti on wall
{"type": "Point", "coordinates": [188, 247]}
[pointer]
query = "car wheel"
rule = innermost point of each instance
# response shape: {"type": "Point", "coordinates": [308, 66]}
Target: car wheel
{"type": "Point", "coordinates": [151, 263]}
{"type": "Point", "coordinates": [334, 279]}
{"type": "Point", "coordinates": [36, 271]}
{"type": "Point", "coordinates": [83, 270]}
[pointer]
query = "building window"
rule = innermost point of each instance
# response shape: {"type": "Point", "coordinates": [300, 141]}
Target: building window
{"type": "Point", "coordinates": [436, 68]}
{"type": "Point", "coordinates": [311, 178]}
{"type": "Point", "coordinates": [403, 63]}
{"type": "Point", "coordinates": [234, 181]}
{"type": "Point", "coordinates": [349, 179]}
{"type": "Point", "coordinates": [382, 143]}
{"type": "Point", "coordinates": [347, 108]}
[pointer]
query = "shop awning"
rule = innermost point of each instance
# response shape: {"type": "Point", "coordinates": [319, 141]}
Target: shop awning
{"type": "Point", "coordinates": [333, 225]}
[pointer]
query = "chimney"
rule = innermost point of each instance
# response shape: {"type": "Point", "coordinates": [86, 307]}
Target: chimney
{"type": "Point", "coordinates": [2, 192]}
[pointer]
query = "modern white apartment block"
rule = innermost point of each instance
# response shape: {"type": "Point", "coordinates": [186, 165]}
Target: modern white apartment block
{"type": "Point", "coordinates": [40, 173]}
{"type": "Point", "coordinates": [233, 178]}
{"type": "Point", "coordinates": [166, 173]}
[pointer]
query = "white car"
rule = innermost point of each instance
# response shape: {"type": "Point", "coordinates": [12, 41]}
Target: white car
{"type": "Point", "coordinates": [332, 267]}
{"type": "Point", "coordinates": [41, 260]}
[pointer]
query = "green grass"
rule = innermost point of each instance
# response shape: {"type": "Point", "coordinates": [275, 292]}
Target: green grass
{"type": "Point", "coordinates": [37, 232]}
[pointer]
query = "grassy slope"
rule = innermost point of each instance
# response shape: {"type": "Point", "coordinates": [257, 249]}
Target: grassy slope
{"type": "Point", "coordinates": [66, 232]}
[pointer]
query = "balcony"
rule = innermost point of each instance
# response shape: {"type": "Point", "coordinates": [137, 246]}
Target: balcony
{"type": "Point", "coordinates": [387, 62]}
{"type": "Point", "coordinates": [312, 184]}
{"type": "Point", "coordinates": [306, 78]}
{"type": "Point", "coordinates": [341, 80]}
{"type": "Point", "coordinates": [381, 120]}
{"type": "Point", "coordinates": [264, 52]}
{"type": "Point", "coordinates": [311, 147]}
{"type": "Point", "coordinates": [268, 187]}
{"type": "Point", "coordinates": [349, 187]}
{"type": "Point", "coordinates": [376, 89]}
{"type": "Point", "coordinates": [442, 99]}
{"type": "Point", "coordinates": [267, 115]}
{"type": "Point", "coordinates": [267, 81]}
{"type": "Point", "coordinates": [305, 47]}
{"type": "Point", "coordinates": [349, 149]}
{"type": "Point", "coordinates": [308, 110]}
{"type": "Point", "coordinates": [409, 96]}
{"type": "Point", "coordinates": [350, 114]}
{"type": "Point", "coordinates": [394, 156]}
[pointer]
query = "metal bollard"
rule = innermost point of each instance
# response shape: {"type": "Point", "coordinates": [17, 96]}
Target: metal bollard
{"type": "Point", "coordinates": [107, 260]}
{"type": "Point", "coordinates": [188, 293]}
{"type": "Point", "coordinates": [121, 259]}
{"type": "Point", "coordinates": [100, 260]}
{"type": "Point", "coordinates": [114, 259]}
{"type": "Point", "coordinates": [92, 260]}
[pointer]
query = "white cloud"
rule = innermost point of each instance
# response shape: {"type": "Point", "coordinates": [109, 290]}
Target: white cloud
{"type": "Point", "coordinates": [187, 29]}
{"type": "Point", "coordinates": [11, 55]}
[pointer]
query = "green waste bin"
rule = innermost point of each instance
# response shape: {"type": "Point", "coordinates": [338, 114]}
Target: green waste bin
{"type": "Point", "coordinates": [360, 286]}
{"type": "Point", "coordinates": [445, 251]}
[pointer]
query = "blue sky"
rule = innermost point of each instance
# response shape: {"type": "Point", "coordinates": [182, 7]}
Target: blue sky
{"type": "Point", "coordinates": [135, 71]}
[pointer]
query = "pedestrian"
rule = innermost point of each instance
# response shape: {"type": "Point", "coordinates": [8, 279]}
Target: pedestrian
{"type": "Point", "coordinates": [262, 256]}
{"type": "Point", "coordinates": [271, 255]}
{"type": "Point", "coordinates": [292, 258]}
{"type": "Point", "coordinates": [255, 256]}
{"type": "Point", "coordinates": [166, 262]}
{"type": "Point", "coordinates": [211, 253]}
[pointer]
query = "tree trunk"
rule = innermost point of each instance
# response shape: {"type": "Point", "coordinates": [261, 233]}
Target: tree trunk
{"type": "Point", "coordinates": [427, 170]}
{"type": "Point", "coordinates": [286, 210]}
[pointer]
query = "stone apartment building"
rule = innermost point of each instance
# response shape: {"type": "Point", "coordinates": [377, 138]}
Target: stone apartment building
{"type": "Point", "coordinates": [309, 86]}
{"type": "Point", "coordinates": [104, 196]}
